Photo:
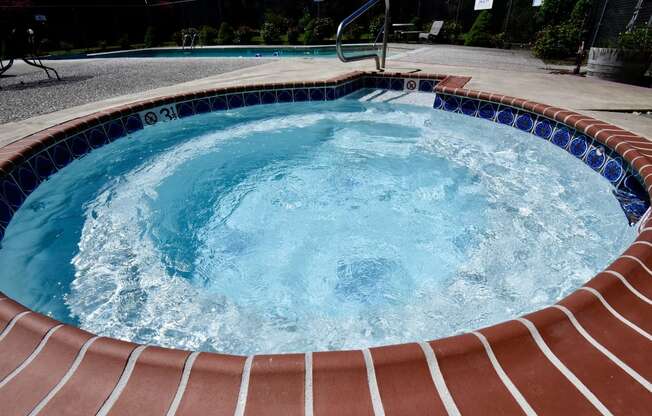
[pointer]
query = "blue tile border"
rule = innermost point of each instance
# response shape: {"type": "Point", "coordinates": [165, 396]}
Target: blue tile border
{"type": "Point", "coordinates": [598, 157]}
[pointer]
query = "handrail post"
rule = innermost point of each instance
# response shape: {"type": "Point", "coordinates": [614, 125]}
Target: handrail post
{"type": "Point", "coordinates": [385, 35]}
{"type": "Point", "coordinates": [379, 58]}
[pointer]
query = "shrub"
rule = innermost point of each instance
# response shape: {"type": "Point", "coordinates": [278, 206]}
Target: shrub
{"type": "Point", "coordinates": [270, 33]}
{"type": "Point", "coordinates": [356, 31]}
{"type": "Point", "coordinates": [293, 36]}
{"type": "Point", "coordinates": [177, 38]}
{"type": "Point", "coordinates": [557, 42]}
{"type": "Point", "coordinates": [451, 33]}
{"type": "Point", "coordinates": [639, 39]}
{"type": "Point", "coordinates": [319, 30]}
{"type": "Point", "coordinates": [479, 34]}
{"type": "Point", "coordinates": [243, 35]}
{"type": "Point", "coordinates": [151, 38]}
{"type": "Point", "coordinates": [66, 46]}
{"type": "Point", "coordinates": [226, 34]}
{"type": "Point", "coordinates": [102, 45]}
{"type": "Point", "coordinates": [376, 25]}
{"type": "Point", "coordinates": [208, 35]}
{"type": "Point", "coordinates": [123, 42]}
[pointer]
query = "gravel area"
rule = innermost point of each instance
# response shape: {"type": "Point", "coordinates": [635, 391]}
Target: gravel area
{"type": "Point", "coordinates": [27, 92]}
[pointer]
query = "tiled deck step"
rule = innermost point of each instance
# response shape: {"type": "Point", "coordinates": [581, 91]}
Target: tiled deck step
{"type": "Point", "coordinates": [590, 354]}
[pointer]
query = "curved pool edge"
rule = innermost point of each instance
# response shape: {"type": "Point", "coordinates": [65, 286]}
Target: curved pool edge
{"type": "Point", "coordinates": [588, 353]}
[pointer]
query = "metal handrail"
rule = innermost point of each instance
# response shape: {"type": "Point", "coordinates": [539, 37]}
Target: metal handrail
{"type": "Point", "coordinates": [380, 60]}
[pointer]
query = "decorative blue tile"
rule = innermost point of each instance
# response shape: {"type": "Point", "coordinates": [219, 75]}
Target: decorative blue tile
{"type": "Point", "coordinates": [633, 185]}
{"type": "Point", "coordinates": [487, 111]}
{"type": "Point", "coordinates": [301, 95]}
{"type": "Point", "coordinates": [369, 82]}
{"type": "Point", "coordinates": [579, 146]}
{"type": "Point", "coordinates": [43, 165]}
{"type": "Point", "coordinates": [268, 97]}
{"type": "Point", "coordinates": [79, 146]}
{"type": "Point", "coordinates": [439, 102]}
{"type": "Point", "coordinates": [544, 129]}
{"type": "Point", "coordinates": [596, 158]}
{"type": "Point", "coordinates": [426, 85]}
{"type": "Point", "coordinates": [284, 96]}
{"type": "Point", "coordinates": [95, 138]}
{"type": "Point", "coordinates": [506, 115]}
{"type": "Point", "coordinates": [469, 107]}
{"type": "Point", "coordinates": [235, 101]}
{"type": "Point", "coordinates": [132, 123]}
{"type": "Point", "coordinates": [633, 207]}
{"type": "Point", "coordinates": [383, 83]}
{"type": "Point", "coordinates": [2, 234]}
{"type": "Point", "coordinates": [26, 178]}
{"type": "Point", "coordinates": [348, 88]}
{"type": "Point", "coordinates": [356, 85]}
{"type": "Point", "coordinates": [11, 193]}
{"type": "Point", "coordinates": [340, 91]}
{"type": "Point", "coordinates": [561, 137]}
{"type": "Point", "coordinates": [525, 122]}
{"type": "Point", "coordinates": [114, 130]}
{"type": "Point", "coordinates": [60, 155]}
{"type": "Point", "coordinates": [185, 109]}
{"type": "Point", "coordinates": [330, 94]}
{"type": "Point", "coordinates": [397, 84]}
{"type": "Point", "coordinates": [613, 170]}
{"type": "Point", "coordinates": [451, 103]}
{"type": "Point", "coordinates": [251, 98]}
{"type": "Point", "coordinates": [219, 103]}
{"type": "Point", "coordinates": [202, 106]}
{"type": "Point", "coordinates": [317, 94]}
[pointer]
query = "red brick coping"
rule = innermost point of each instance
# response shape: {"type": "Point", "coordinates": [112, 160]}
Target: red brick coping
{"type": "Point", "coordinates": [591, 353]}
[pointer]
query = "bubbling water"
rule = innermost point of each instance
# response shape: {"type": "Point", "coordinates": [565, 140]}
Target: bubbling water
{"type": "Point", "coordinates": [311, 227]}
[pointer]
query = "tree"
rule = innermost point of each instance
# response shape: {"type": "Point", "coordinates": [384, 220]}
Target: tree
{"type": "Point", "coordinates": [151, 38]}
{"type": "Point", "coordinates": [479, 34]}
{"type": "Point", "coordinates": [226, 34]}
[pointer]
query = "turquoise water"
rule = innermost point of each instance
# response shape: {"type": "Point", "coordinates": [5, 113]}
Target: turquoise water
{"type": "Point", "coordinates": [281, 52]}
{"type": "Point", "coordinates": [311, 226]}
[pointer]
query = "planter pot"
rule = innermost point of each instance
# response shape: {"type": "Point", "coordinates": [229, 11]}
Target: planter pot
{"type": "Point", "coordinates": [612, 64]}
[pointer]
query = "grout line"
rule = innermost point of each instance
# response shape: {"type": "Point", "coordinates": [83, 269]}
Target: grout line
{"type": "Point", "coordinates": [11, 324]}
{"type": "Point", "coordinates": [630, 371]}
{"type": "Point", "coordinates": [616, 314]}
{"type": "Point", "coordinates": [438, 379]}
{"type": "Point", "coordinates": [244, 387]}
{"type": "Point", "coordinates": [376, 400]}
{"type": "Point", "coordinates": [122, 382]}
{"type": "Point", "coordinates": [504, 377]}
{"type": "Point", "coordinates": [183, 384]}
{"type": "Point", "coordinates": [562, 368]}
{"type": "Point", "coordinates": [71, 371]}
{"type": "Point", "coordinates": [309, 399]}
{"type": "Point", "coordinates": [31, 357]}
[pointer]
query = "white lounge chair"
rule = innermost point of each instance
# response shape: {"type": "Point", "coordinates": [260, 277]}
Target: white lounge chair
{"type": "Point", "coordinates": [434, 31]}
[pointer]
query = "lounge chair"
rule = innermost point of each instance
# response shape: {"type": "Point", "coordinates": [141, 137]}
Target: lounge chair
{"type": "Point", "coordinates": [434, 31]}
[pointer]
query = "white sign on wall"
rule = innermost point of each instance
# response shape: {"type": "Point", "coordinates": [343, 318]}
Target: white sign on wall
{"type": "Point", "coordinates": [483, 4]}
{"type": "Point", "coordinates": [537, 3]}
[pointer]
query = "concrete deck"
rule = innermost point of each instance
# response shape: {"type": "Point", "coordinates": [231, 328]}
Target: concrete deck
{"type": "Point", "coordinates": [506, 72]}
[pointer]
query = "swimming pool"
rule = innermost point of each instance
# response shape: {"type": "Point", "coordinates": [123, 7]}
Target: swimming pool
{"type": "Point", "coordinates": [235, 52]}
{"type": "Point", "coordinates": [310, 226]}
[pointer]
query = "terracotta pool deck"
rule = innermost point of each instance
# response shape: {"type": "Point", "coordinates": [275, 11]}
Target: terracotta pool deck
{"type": "Point", "coordinates": [588, 354]}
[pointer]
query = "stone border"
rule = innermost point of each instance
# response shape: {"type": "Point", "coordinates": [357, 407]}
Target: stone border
{"type": "Point", "coordinates": [589, 353]}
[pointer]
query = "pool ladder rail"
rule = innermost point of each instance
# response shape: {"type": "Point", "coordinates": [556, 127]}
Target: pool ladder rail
{"type": "Point", "coordinates": [380, 56]}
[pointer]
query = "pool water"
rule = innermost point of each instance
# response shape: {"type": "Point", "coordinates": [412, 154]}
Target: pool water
{"type": "Point", "coordinates": [312, 226]}
{"type": "Point", "coordinates": [235, 52]}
